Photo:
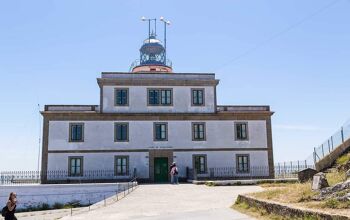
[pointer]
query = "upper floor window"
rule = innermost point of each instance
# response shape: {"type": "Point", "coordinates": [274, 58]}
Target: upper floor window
{"type": "Point", "coordinates": [76, 132]}
{"type": "Point", "coordinates": [121, 97]}
{"type": "Point", "coordinates": [200, 163]}
{"type": "Point", "coordinates": [160, 131]}
{"type": "Point", "coordinates": [242, 163]}
{"type": "Point", "coordinates": [75, 166]}
{"type": "Point", "coordinates": [197, 96]}
{"type": "Point", "coordinates": [160, 97]}
{"type": "Point", "coordinates": [121, 131]}
{"type": "Point", "coordinates": [121, 165]}
{"type": "Point", "coordinates": [241, 129]}
{"type": "Point", "coordinates": [198, 131]}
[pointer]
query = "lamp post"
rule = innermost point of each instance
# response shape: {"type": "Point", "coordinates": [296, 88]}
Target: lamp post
{"type": "Point", "coordinates": [166, 22]}
{"type": "Point", "coordinates": [143, 18]}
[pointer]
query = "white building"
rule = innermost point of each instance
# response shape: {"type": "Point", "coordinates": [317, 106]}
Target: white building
{"type": "Point", "coordinates": [151, 117]}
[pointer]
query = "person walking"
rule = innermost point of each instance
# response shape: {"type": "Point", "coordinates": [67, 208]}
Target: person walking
{"type": "Point", "coordinates": [11, 207]}
{"type": "Point", "coordinates": [174, 172]}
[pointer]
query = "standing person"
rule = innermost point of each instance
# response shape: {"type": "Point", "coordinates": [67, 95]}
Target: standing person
{"type": "Point", "coordinates": [11, 207]}
{"type": "Point", "coordinates": [174, 174]}
{"type": "Point", "coordinates": [171, 173]}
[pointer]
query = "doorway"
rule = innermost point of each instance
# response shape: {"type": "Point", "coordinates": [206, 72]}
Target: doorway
{"type": "Point", "coordinates": [161, 169]}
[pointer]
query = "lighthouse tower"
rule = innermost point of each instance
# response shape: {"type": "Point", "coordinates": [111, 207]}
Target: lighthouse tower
{"type": "Point", "coordinates": [152, 55]}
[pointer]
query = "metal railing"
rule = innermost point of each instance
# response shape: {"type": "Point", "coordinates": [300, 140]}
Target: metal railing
{"type": "Point", "coordinates": [337, 139]}
{"type": "Point", "coordinates": [137, 63]}
{"type": "Point", "coordinates": [281, 171]}
{"type": "Point", "coordinates": [63, 176]}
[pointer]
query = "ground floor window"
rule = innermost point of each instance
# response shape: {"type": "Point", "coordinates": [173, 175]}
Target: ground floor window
{"type": "Point", "coordinates": [242, 163]}
{"type": "Point", "coordinates": [200, 163]}
{"type": "Point", "coordinates": [75, 166]}
{"type": "Point", "coordinates": [121, 165]}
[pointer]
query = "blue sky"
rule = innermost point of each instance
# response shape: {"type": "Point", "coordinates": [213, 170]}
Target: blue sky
{"type": "Point", "coordinates": [292, 55]}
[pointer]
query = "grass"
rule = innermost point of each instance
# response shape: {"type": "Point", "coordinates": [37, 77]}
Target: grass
{"type": "Point", "coordinates": [261, 213]}
{"type": "Point", "coordinates": [343, 159]}
{"type": "Point", "coordinates": [335, 177]}
{"type": "Point", "coordinates": [287, 193]}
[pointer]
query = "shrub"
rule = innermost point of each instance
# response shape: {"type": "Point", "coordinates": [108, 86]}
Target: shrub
{"type": "Point", "coordinates": [57, 205]}
{"type": "Point", "coordinates": [44, 206]}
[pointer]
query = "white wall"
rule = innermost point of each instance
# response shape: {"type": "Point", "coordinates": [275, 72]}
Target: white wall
{"type": "Point", "coordinates": [138, 100]}
{"type": "Point", "coordinates": [99, 135]}
{"type": "Point", "coordinates": [34, 195]}
{"type": "Point", "coordinates": [101, 161]}
{"type": "Point", "coordinates": [222, 159]}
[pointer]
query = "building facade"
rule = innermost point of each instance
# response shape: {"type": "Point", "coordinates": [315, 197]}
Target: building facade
{"type": "Point", "coordinates": [149, 118]}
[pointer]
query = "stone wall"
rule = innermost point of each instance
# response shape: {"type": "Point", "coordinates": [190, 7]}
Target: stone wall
{"type": "Point", "coordinates": [287, 211]}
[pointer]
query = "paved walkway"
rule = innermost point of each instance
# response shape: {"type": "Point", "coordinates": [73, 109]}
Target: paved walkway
{"type": "Point", "coordinates": [166, 201]}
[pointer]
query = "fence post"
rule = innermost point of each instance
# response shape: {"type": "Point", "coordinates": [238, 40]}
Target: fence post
{"type": "Point", "coordinates": [314, 155]}
{"type": "Point", "coordinates": [284, 173]}
{"type": "Point", "coordinates": [305, 164]}
{"type": "Point", "coordinates": [298, 165]}
{"type": "Point", "coordinates": [332, 142]}
{"type": "Point", "coordinates": [104, 200]}
{"type": "Point", "coordinates": [124, 190]}
{"type": "Point", "coordinates": [342, 134]}
{"type": "Point", "coordinates": [329, 146]}
{"type": "Point", "coordinates": [322, 150]}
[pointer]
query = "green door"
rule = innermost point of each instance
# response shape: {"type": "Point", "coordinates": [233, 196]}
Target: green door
{"type": "Point", "coordinates": [161, 169]}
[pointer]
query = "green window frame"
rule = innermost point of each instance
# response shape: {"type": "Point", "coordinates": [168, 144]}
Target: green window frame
{"type": "Point", "coordinates": [198, 131]}
{"type": "Point", "coordinates": [121, 165]}
{"type": "Point", "coordinates": [160, 131]}
{"type": "Point", "coordinates": [76, 132]}
{"type": "Point", "coordinates": [241, 130]}
{"type": "Point", "coordinates": [75, 166]}
{"type": "Point", "coordinates": [160, 97]}
{"type": "Point", "coordinates": [121, 97]}
{"type": "Point", "coordinates": [198, 97]}
{"type": "Point", "coordinates": [200, 163]}
{"type": "Point", "coordinates": [121, 132]}
{"type": "Point", "coordinates": [243, 163]}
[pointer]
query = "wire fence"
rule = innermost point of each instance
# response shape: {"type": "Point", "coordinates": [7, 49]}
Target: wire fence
{"type": "Point", "coordinates": [63, 176]}
{"type": "Point", "coordinates": [281, 171]}
{"type": "Point", "coordinates": [337, 139]}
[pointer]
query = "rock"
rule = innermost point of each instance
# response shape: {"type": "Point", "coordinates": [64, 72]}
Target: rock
{"type": "Point", "coordinates": [306, 175]}
{"type": "Point", "coordinates": [348, 174]}
{"type": "Point", "coordinates": [339, 191]}
{"type": "Point", "coordinates": [319, 181]}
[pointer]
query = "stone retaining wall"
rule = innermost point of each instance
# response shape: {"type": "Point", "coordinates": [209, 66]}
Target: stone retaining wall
{"type": "Point", "coordinates": [329, 160]}
{"type": "Point", "coordinates": [284, 210]}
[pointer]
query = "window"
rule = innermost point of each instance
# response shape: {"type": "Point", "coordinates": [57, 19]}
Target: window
{"type": "Point", "coordinates": [76, 132]}
{"type": "Point", "coordinates": [121, 132]}
{"type": "Point", "coordinates": [198, 131]}
{"type": "Point", "coordinates": [121, 97]}
{"type": "Point", "coordinates": [197, 96]}
{"type": "Point", "coordinates": [121, 165]}
{"type": "Point", "coordinates": [242, 163]}
{"type": "Point", "coordinates": [160, 132]}
{"type": "Point", "coordinates": [241, 131]}
{"type": "Point", "coordinates": [75, 166]}
{"type": "Point", "coordinates": [200, 163]}
{"type": "Point", "coordinates": [160, 97]}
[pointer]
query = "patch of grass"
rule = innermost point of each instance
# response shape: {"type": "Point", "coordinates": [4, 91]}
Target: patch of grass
{"type": "Point", "coordinates": [343, 159]}
{"type": "Point", "coordinates": [57, 205]}
{"type": "Point", "coordinates": [209, 183]}
{"type": "Point", "coordinates": [335, 177]}
{"type": "Point", "coordinates": [290, 193]}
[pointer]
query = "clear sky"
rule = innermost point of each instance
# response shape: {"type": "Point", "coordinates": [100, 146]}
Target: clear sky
{"type": "Point", "coordinates": [292, 55]}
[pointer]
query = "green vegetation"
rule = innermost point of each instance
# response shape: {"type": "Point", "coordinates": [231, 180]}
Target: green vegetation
{"type": "Point", "coordinates": [57, 205]}
{"type": "Point", "coordinates": [344, 159]}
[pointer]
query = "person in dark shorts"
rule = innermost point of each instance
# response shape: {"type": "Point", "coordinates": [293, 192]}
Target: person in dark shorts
{"type": "Point", "coordinates": [11, 207]}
